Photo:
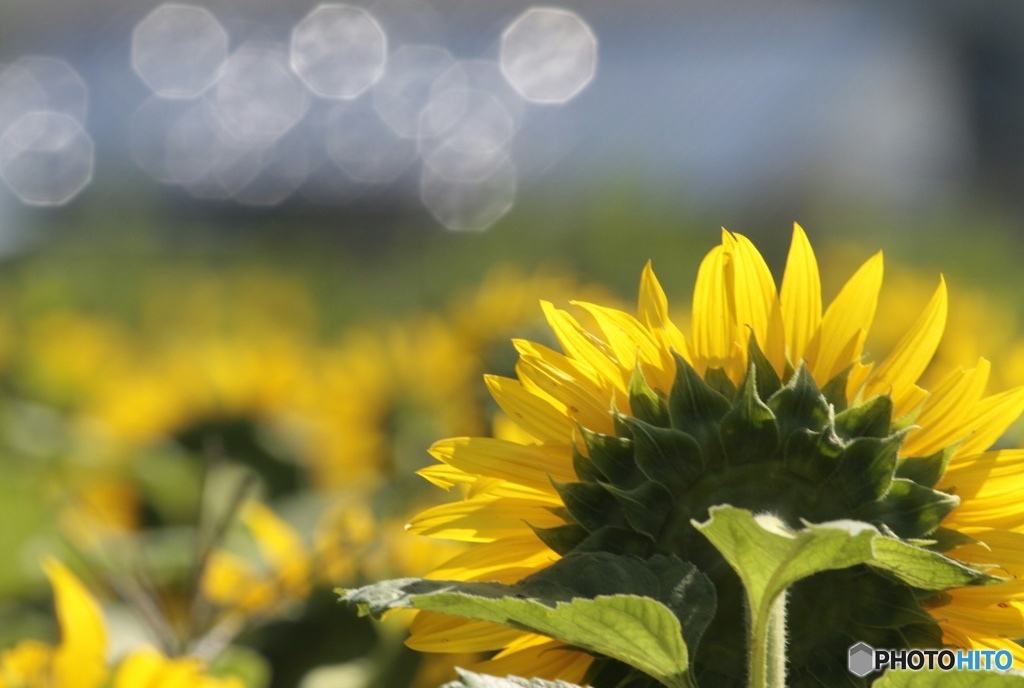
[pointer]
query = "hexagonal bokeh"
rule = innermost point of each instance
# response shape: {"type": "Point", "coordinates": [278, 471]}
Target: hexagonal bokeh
{"type": "Point", "coordinates": [403, 92]}
{"type": "Point", "coordinates": [46, 158]}
{"type": "Point", "coordinates": [258, 97]}
{"type": "Point", "coordinates": [548, 55]}
{"type": "Point", "coordinates": [339, 51]}
{"type": "Point", "coordinates": [177, 50]}
{"type": "Point", "coordinates": [469, 205]}
{"type": "Point", "coordinates": [38, 83]}
{"type": "Point", "coordinates": [365, 148]}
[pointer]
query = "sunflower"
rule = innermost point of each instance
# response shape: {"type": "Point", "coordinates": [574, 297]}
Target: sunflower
{"type": "Point", "coordinates": [855, 439]}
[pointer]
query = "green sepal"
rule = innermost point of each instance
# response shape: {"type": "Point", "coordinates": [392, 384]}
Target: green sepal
{"type": "Point", "coordinates": [885, 603]}
{"type": "Point", "coordinates": [768, 382]}
{"type": "Point", "coordinates": [749, 432]}
{"type": "Point", "coordinates": [870, 419]}
{"type": "Point", "coordinates": [696, 409]}
{"type": "Point", "coordinates": [561, 539]}
{"type": "Point", "coordinates": [590, 505]}
{"type": "Point", "coordinates": [921, 635]}
{"type": "Point", "coordinates": [799, 405]}
{"type": "Point", "coordinates": [804, 456]}
{"type": "Point", "coordinates": [646, 404]}
{"type": "Point", "coordinates": [909, 509]}
{"type": "Point", "coordinates": [866, 468]}
{"type": "Point", "coordinates": [646, 507]}
{"type": "Point", "coordinates": [943, 539]}
{"type": "Point", "coordinates": [718, 380]}
{"type": "Point", "coordinates": [613, 456]}
{"type": "Point", "coordinates": [834, 390]}
{"type": "Point", "coordinates": [584, 468]}
{"type": "Point", "coordinates": [926, 470]}
{"type": "Point", "coordinates": [669, 457]}
{"type": "Point", "coordinates": [617, 540]}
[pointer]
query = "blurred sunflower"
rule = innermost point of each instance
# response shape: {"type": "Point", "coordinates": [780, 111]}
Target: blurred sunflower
{"type": "Point", "coordinates": [79, 660]}
{"type": "Point", "coordinates": [633, 433]}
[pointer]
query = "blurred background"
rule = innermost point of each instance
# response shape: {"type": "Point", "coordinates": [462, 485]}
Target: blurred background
{"type": "Point", "coordinates": [256, 256]}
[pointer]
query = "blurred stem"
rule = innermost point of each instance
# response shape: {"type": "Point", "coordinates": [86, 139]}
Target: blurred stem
{"type": "Point", "coordinates": [207, 544]}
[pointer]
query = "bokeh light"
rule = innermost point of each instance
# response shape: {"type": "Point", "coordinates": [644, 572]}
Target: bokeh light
{"type": "Point", "coordinates": [548, 55]}
{"type": "Point", "coordinates": [258, 97]}
{"type": "Point", "coordinates": [467, 205]}
{"type": "Point", "coordinates": [46, 158]}
{"type": "Point", "coordinates": [364, 147]}
{"type": "Point", "coordinates": [339, 51]}
{"type": "Point", "coordinates": [405, 89]}
{"type": "Point", "coordinates": [178, 50]}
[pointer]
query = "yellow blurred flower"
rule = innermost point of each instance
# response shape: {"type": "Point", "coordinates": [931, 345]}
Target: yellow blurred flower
{"type": "Point", "coordinates": [239, 586]}
{"type": "Point", "coordinates": [80, 658]}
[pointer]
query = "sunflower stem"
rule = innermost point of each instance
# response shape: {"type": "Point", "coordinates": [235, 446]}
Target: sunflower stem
{"type": "Point", "coordinates": [767, 645]}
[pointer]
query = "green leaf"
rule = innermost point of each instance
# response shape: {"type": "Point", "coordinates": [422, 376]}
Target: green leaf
{"type": "Point", "coordinates": [749, 431]}
{"type": "Point", "coordinates": [769, 557]}
{"type": "Point", "coordinates": [924, 568]}
{"type": "Point", "coordinates": [469, 679]}
{"type": "Point", "coordinates": [632, 610]}
{"type": "Point", "coordinates": [562, 539]}
{"type": "Point", "coordinates": [948, 679]}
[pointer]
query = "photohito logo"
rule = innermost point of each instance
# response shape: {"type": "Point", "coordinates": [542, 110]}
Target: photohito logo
{"type": "Point", "coordinates": [864, 659]}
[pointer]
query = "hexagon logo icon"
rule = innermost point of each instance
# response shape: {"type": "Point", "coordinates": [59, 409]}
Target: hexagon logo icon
{"type": "Point", "coordinates": [862, 659]}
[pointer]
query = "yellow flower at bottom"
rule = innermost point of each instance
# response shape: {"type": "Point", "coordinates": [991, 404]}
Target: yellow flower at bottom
{"type": "Point", "coordinates": [589, 409]}
{"type": "Point", "coordinates": [80, 658]}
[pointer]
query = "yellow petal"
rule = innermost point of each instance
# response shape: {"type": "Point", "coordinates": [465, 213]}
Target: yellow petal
{"type": "Point", "coordinates": [801, 295]}
{"type": "Point", "coordinates": [584, 403]}
{"type": "Point", "coordinates": [80, 658]}
{"type": "Point", "coordinates": [280, 545]}
{"type": "Point", "coordinates": [433, 632]}
{"type": "Point", "coordinates": [584, 348]}
{"type": "Point", "coordinates": [987, 474]}
{"type": "Point", "coordinates": [756, 301]}
{"type": "Point", "coordinates": [632, 342]}
{"type": "Point", "coordinates": [652, 310]}
{"type": "Point", "coordinates": [507, 560]}
{"type": "Point", "coordinates": [483, 519]}
{"type": "Point", "coordinates": [991, 417]}
{"type": "Point", "coordinates": [898, 373]}
{"type": "Point", "coordinates": [852, 311]}
{"type": "Point", "coordinates": [533, 466]}
{"type": "Point", "coordinates": [713, 319]}
{"type": "Point", "coordinates": [944, 417]}
{"type": "Point", "coordinates": [550, 660]}
{"type": "Point", "coordinates": [535, 415]}
{"type": "Point", "coordinates": [1003, 548]}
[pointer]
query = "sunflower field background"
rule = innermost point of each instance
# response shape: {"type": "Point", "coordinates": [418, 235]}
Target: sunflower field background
{"type": "Point", "coordinates": [218, 388]}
